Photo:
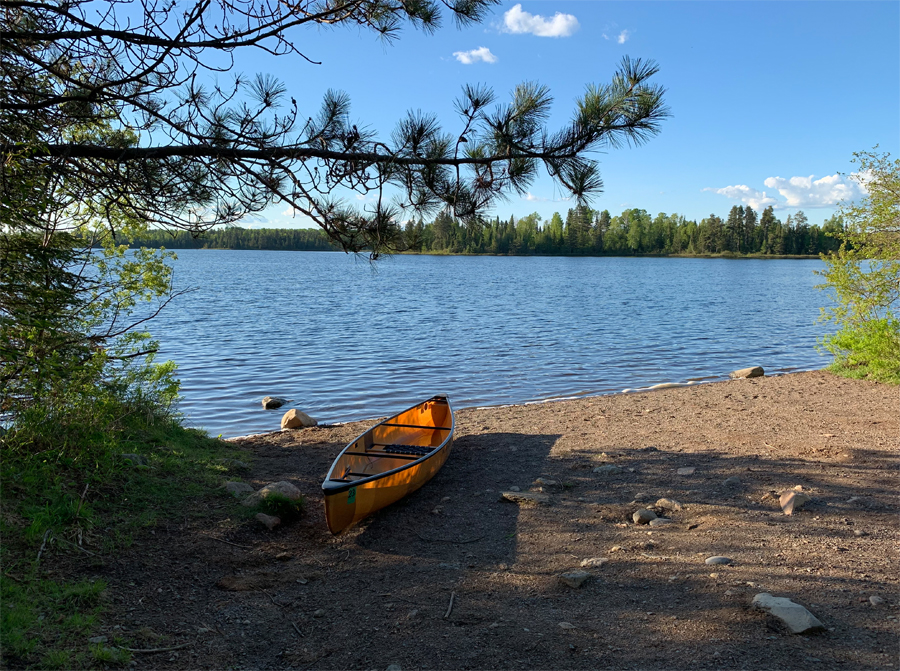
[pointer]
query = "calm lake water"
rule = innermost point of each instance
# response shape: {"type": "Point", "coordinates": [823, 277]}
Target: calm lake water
{"type": "Point", "coordinates": [344, 340]}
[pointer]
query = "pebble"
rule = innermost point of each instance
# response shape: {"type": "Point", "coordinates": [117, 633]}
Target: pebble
{"type": "Point", "coordinates": [574, 579]}
{"type": "Point", "coordinates": [515, 489]}
{"type": "Point", "coordinates": [641, 497]}
{"type": "Point", "coordinates": [859, 533]}
{"type": "Point", "coordinates": [545, 482]}
{"type": "Point", "coordinates": [238, 489]}
{"type": "Point", "coordinates": [643, 516]}
{"type": "Point", "coordinates": [525, 498]}
{"type": "Point", "coordinates": [268, 521]}
{"type": "Point", "coordinates": [876, 600]}
{"type": "Point", "coordinates": [718, 559]}
{"type": "Point", "coordinates": [660, 522]}
{"type": "Point", "coordinates": [594, 562]}
{"type": "Point", "coordinates": [608, 469]}
{"type": "Point", "coordinates": [394, 667]}
{"type": "Point", "coordinates": [687, 470]}
{"type": "Point", "coordinates": [792, 500]}
{"type": "Point", "coordinates": [97, 639]}
{"type": "Point", "coordinates": [567, 625]}
{"type": "Point", "coordinates": [732, 482]}
{"type": "Point", "coordinates": [319, 613]}
{"type": "Point", "coordinates": [668, 504]}
{"type": "Point", "coordinates": [616, 548]}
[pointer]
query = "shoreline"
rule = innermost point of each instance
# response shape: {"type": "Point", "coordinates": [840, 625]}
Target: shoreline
{"type": "Point", "coordinates": [628, 391]}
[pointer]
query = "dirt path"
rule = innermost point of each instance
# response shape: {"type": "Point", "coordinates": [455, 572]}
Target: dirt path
{"type": "Point", "coordinates": [243, 597]}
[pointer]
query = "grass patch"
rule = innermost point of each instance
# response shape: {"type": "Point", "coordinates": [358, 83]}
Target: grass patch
{"type": "Point", "coordinates": [59, 495]}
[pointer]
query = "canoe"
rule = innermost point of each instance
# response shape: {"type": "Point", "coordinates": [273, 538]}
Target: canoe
{"type": "Point", "coordinates": [390, 460]}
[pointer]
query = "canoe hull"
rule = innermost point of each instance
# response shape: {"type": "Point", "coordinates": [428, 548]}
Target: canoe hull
{"type": "Point", "coordinates": [364, 478]}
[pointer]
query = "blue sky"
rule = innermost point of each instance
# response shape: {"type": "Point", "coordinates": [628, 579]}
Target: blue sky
{"type": "Point", "coordinates": [769, 100]}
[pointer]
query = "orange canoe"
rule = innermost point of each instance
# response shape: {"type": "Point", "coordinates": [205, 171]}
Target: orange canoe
{"type": "Point", "coordinates": [387, 462]}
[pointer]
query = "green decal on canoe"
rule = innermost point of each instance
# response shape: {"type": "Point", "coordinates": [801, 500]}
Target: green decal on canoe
{"type": "Point", "coordinates": [351, 495]}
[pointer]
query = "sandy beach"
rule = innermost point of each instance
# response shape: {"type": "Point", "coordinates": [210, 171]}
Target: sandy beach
{"type": "Point", "coordinates": [454, 577]}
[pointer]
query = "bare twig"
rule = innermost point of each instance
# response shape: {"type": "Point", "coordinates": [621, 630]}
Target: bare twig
{"type": "Point", "coordinates": [446, 540]}
{"type": "Point", "coordinates": [93, 554]}
{"type": "Point", "coordinates": [297, 629]}
{"type": "Point", "coordinates": [43, 543]}
{"type": "Point", "coordinates": [152, 650]}
{"type": "Point", "coordinates": [450, 607]}
{"type": "Point", "coordinates": [81, 501]}
{"type": "Point", "coordinates": [222, 540]}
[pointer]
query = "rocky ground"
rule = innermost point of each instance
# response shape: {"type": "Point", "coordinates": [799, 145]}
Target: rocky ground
{"type": "Point", "coordinates": [457, 577]}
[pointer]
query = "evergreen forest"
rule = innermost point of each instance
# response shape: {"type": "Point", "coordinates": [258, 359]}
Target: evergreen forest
{"type": "Point", "coordinates": [584, 231]}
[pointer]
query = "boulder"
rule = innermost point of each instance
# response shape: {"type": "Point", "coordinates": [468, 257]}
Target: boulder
{"type": "Point", "coordinates": [295, 419]}
{"type": "Point", "coordinates": [643, 516]}
{"type": "Point", "coordinates": [668, 504]}
{"type": "Point", "coordinates": [273, 402]}
{"type": "Point", "coordinates": [796, 617]}
{"type": "Point", "coordinates": [284, 488]}
{"type": "Point", "coordinates": [754, 371]}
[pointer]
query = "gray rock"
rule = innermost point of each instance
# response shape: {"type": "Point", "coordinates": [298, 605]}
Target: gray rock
{"type": "Point", "coordinates": [718, 560]}
{"type": "Point", "coordinates": [97, 639]}
{"type": "Point", "coordinates": [525, 498]}
{"type": "Point", "coordinates": [796, 617]}
{"type": "Point", "coordinates": [876, 600]}
{"type": "Point", "coordinates": [273, 402]}
{"type": "Point", "coordinates": [268, 521]}
{"type": "Point", "coordinates": [135, 459]}
{"type": "Point", "coordinates": [608, 469]}
{"type": "Point", "coordinates": [859, 533]}
{"type": "Point", "coordinates": [643, 516]}
{"type": "Point", "coordinates": [319, 613]}
{"type": "Point", "coordinates": [284, 488]}
{"type": "Point", "coordinates": [754, 371]}
{"type": "Point", "coordinates": [686, 470]}
{"type": "Point", "coordinates": [238, 489]}
{"type": "Point", "coordinates": [567, 625]}
{"type": "Point", "coordinates": [661, 522]}
{"type": "Point", "coordinates": [594, 562]}
{"type": "Point", "coordinates": [732, 482]}
{"type": "Point", "coordinates": [545, 482]}
{"type": "Point", "coordinates": [393, 667]}
{"type": "Point", "coordinates": [668, 504]}
{"type": "Point", "coordinates": [515, 489]}
{"type": "Point", "coordinates": [641, 497]}
{"type": "Point", "coordinates": [792, 500]}
{"type": "Point", "coordinates": [574, 579]}
{"type": "Point", "coordinates": [295, 419]}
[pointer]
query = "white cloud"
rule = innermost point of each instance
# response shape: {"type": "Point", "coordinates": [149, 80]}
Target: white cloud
{"type": "Point", "coordinates": [475, 55]}
{"type": "Point", "coordinates": [758, 200]}
{"type": "Point", "coordinates": [518, 21]}
{"type": "Point", "coordinates": [623, 36]}
{"type": "Point", "coordinates": [798, 192]}
{"type": "Point", "coordinates": [809, 192]}
{"type": "Point", "coordinates": [532, 197]}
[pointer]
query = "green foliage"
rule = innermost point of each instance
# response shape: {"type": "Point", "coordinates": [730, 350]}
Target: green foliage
{"type": "Point", "coordinates": [863, 276]}
{"type": "Point", "coordinates": [279, 505]}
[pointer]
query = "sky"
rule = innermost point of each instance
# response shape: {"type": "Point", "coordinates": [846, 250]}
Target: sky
{"type": "Point", "coordinates": [769, 100]}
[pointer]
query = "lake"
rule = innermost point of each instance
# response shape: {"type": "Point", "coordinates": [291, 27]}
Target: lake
{"type": "Point", "coordinates": [344, 339]}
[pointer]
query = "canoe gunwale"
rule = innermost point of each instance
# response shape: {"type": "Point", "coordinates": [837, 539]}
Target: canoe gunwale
{"type": "Point", "coordinates": [332, 486]}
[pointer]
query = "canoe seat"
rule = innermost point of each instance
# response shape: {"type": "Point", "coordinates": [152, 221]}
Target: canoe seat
{"type": "Point", "coordinates": [414, 450]}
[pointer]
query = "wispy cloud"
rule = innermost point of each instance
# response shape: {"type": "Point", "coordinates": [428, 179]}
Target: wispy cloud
{"type": "Point", "coordinates": [798, 192]}
{"type": "Point", "coordinates": [518, 21]}
{"type": "Point", "coordinates": [623, 36]}
{"type": "Point", "coordinates": [482, 54]}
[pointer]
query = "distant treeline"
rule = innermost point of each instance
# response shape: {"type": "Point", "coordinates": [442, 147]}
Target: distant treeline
{"type": "Point", "coordinates": [293, 239]}
{"type": "Point", "coordinates": [589, 232]}
{"type": "Point", "coordinates": [583, 232]}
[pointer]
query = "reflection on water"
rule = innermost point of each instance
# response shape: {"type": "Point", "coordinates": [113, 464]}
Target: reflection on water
{"type": "Point", "coordinates": [345, 340]}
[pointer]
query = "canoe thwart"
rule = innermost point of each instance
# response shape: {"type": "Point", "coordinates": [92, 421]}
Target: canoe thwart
{"type": "Point", "coordinates": [384, 455]}
{"type": "Point", "coordinates": [417, 426]}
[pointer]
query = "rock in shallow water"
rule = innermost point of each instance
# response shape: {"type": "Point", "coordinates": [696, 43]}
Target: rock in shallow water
{"type": "Point", "coordinates": [753, 371]}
